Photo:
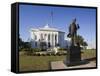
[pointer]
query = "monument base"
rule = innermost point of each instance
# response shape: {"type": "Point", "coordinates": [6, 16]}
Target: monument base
{"type": "Point", "coordinates": [76, 63]}
{"type": "Point", "coordinates": [74, 56]}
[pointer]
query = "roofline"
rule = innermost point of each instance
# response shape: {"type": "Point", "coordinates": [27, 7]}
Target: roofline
{"type": "Point", "coordinates": [46, 30]}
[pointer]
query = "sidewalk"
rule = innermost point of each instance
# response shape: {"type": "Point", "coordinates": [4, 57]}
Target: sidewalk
{"type": "Point", "coordinates": [61, 65]}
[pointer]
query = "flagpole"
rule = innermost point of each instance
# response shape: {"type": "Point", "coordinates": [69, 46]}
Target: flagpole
{"type": "Point", "coordinates": [51, 17]}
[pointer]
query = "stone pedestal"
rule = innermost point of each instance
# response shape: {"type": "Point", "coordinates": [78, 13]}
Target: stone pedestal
{"type": "Point", "coordinates": [73, 56]}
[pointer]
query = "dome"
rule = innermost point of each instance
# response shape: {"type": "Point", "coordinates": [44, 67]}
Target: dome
{"type": "Point", "coordinates": [46, 26]}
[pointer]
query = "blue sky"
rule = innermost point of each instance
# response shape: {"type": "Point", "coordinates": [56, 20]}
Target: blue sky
{"type": "Point", "coordinates": [32, 16]}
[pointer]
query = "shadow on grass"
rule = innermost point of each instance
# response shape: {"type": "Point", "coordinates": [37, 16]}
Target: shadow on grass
{"type": "Point", "coordinates": [90, 59]}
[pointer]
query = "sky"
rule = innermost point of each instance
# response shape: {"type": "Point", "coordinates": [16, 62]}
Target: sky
{"type": "Point", "coordinates": [32, 16]}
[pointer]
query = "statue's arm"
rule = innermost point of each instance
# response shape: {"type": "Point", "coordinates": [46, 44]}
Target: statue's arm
{"type": "Point", "coordinates": [78, 26]}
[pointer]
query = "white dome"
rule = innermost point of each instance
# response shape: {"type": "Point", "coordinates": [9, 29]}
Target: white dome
{"type": "Point", "coordinates": [46, 26]}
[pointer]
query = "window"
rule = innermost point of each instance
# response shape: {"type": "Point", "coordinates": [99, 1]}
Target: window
{"type": "Point", "coordinates": [49, 37]}
{"type": "Point", "coordinates": [45, 34]}
{"type": "Point", "coordinates": [55, 37]}
{"type": "Point", "coordinates": [36, 44]}
{"type": "Point", "coordinates": [55, 40]}
{"type": "Point", "coordinates": [41, 36]}
{"type": "Point", "coordinates": [35, 37]}
{"type": "Point", "coordinates": [49, 45]}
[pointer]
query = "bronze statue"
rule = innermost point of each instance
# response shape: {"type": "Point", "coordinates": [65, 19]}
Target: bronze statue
{"type": "Point", "coordinates": [74, 50]}
{"type": "Point", "coordinates": [73, 31]}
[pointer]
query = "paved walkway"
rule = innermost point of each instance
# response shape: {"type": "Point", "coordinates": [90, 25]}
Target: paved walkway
{"type": "Point", "coordinates": [61, 65]}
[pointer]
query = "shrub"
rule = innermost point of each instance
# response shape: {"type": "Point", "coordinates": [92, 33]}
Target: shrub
{"type": "Point", "coordinates": [29, 52]}
{"type": "Point", "coordinates": [23, 49]}
{"type": "Point", "coordinates": [48, 54]}
{"type": "Point", "coordinates": [36, 49]}
{"type": "Point", "coordinates": [58, 54]}
{"type": "Point", "coordinates": [62, 49]}
{"type": "Point", "coordinates": [34, 54]}
{"type": "Point", "coordinates": [43, 54]}
{"type": "Point", "coordinates": [38, 54]}
{"type": "Point", "coordinates": [61, 53]}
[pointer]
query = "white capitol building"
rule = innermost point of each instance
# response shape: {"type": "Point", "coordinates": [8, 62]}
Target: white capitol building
{"type": "Point", "coordinates": [51, 36]}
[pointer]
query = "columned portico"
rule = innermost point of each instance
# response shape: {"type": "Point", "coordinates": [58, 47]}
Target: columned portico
{"type": "Point", "coordinates": [50, 36]}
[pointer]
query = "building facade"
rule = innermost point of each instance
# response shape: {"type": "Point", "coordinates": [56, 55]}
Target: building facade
{"type": "Point", "coordinates": [51, 37]}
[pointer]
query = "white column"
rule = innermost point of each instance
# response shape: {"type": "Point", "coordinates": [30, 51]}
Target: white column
{"type": "Point", "coordinates": [51, 39]}
{"type": "Point", "coordinates": [47, 39]}
{"type": "Point", "coordinates": [57, 38]}
{"type": "Point", "coordinates": [54, 39]}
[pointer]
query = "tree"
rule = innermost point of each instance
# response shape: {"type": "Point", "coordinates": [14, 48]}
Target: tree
{"type": "Point", "coordinates": [21, 43]}
{"type": "Point", "coordinates": [85, 44]}
{"type": "Point", "coordinates": [25, 45]}
{"type": "Point", "coordinates": [79, 39]}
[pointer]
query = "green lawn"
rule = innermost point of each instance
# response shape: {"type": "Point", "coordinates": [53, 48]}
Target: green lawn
{"type": "Point", "coordinates": [29, 63]}
{"type": "Point", "coordinates": [89, 54]}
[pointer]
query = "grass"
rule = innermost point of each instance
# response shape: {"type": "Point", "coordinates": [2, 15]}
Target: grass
{"type": "Point", "coordinates": [36, 63]}
{"type": "Point", "coordinates": [88, 54]}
